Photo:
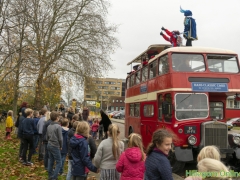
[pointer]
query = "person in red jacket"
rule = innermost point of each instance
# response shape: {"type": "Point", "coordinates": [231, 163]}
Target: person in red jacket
{"type": "Point", "coordinates": [131, 161]}
{"type": "Point", "coordinates": [95, 129]}
{"type": "Point", "coordinates": [174, 37]}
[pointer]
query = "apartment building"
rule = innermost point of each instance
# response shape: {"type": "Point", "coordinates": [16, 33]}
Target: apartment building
{"type": "Point", "coordinates": [104, 90]}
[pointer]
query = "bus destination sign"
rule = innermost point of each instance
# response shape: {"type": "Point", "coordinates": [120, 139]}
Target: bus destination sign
{"type": "Point", "coordinates": [143, 88]}
{"type": "Point", "coordinates": [209, 87]}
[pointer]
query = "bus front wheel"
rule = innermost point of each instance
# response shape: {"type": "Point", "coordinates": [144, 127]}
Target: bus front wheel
{"type": "Point", "coordinates": [177, 166]}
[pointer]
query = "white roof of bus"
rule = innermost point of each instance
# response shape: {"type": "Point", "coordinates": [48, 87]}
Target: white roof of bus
{"type": "Point", "coordinates": [151, 47]}
{"type": "Point", "coordinates": [183, 49]}
{"type": "Point", "coordinates": [188, 49]}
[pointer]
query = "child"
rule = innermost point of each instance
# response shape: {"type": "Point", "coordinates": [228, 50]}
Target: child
{"type": "Point", "coordinates": [55, 143]}
{"type": "Point", "coordinates": [108, 153]}
{"type": "Point", "coordinates": [65, 144]}
{"type": "Point", "coordinates": [28, 127]}
{"type": "Point", "coordinates": [157, 163]}
{"type": "Point", "coordinates": [216, 170]}
{"type": "Point", "coordinates": [80, 152]}
{"type": "Point", "coordinates": [131, 162]}
{"type": "Point", "coordinates": [36, 136]}
{"type": "Point", "coordinates": [206, 152]}
{"type": "Point", "coordinates": [9, 125]}
{"type": "Point", "coordinates": [95, 129]}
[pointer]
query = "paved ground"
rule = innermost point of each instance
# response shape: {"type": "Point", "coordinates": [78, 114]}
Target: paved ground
{"type": "Point", "coordinates": [121, 123]}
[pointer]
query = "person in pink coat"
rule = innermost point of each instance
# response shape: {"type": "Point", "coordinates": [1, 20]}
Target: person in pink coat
{"type": "Point", "coordinates": [131, 162]}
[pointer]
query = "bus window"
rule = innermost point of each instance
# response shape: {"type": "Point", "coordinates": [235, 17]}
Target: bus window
{"type": "Point", "coordinates": [153, 70]}
{"type": "Point", "coordinates": [216, 110]}
{"type": "Point", "coordinates": [138, 76]}
{"type": "Point", "coordinates": [160, 101]}
{"type": "Point", "coordinates": [148, 110]}
{"type": "Point", "coordinates": [137, 110]}
{"type": "Point", "coordinates": [190, 106]}
{"type": "Point", "coordinates": [168, 117]}
{"type": "Point", "coordinates": [131, 110]}
{"type": "Point", "coordinates": [144, 74]}
{"type": "Point", "coordinates": [163, 66]}
{"type": "Point", "coordinates": [132, 80]}
{"type": "Point", "coordinates": [222, 63]}
{"type": "Point", "coordinates": [188, 62]}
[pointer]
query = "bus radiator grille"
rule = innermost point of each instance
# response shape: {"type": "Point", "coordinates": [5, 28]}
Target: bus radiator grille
{"type": "Point", "coordinates": [216, 134]}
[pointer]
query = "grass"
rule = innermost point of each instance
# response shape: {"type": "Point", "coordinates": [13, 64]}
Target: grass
{"type": "Point", "coordinates": [12, 169]}
{"type": "Point", "coordinates": [236, 128]}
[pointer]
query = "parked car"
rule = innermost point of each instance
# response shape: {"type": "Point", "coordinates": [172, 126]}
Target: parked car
{"type": "Point", "coordinates": [112, 113]}
{"type": "Point", "coordinates": [119, 115]}
{"type": "Point", "coordinates": [236, 122]}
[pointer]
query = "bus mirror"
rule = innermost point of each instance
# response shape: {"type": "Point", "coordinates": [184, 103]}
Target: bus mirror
{"type": "Point", "coordinates": [166, 108]}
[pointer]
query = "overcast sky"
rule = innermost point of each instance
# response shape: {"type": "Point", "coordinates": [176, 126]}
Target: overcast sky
{"type": "Point", "coordinates": [140, 22]}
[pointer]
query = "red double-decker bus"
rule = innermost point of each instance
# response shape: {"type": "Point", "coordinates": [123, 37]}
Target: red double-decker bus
{"type": "Point", "coordinates": [183, 89]}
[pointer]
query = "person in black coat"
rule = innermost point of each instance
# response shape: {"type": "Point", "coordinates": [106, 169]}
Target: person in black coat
{"type": "Point", "coordinates": [105, 122]}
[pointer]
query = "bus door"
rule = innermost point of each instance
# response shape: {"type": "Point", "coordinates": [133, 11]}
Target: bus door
{"type": "Point", "coordinates": [148, 115]}
{"type": "Point", "coordinates": [164, 120]}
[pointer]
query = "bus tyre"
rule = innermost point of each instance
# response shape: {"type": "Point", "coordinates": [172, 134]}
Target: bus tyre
{"type": "Point", "coordinates": [177, 166]}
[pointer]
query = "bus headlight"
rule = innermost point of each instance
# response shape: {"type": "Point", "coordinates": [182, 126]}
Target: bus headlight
{"type": "Point", "coordinates": [192, 140]}
{"type": "Point", "coordinates": [236, 140]}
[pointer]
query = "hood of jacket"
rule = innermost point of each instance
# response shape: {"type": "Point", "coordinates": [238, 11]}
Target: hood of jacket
{"type": "Point", "coordinates": [75, 140]}
{"type": "Point", "coordinates": [133, 154]}
{"type": "Point", "coordinates": [64, 132]}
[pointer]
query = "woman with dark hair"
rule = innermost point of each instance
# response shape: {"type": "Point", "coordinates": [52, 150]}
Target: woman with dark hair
{"type": "Point", "coordinates": [105, 122]}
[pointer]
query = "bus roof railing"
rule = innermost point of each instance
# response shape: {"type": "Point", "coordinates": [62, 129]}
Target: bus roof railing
{"type": "Point", "coordinates": [155, 47]}
{"type": "Point", "coordinates": [190, 49]}
{"type": "Point", "coordinates": [182, 49]}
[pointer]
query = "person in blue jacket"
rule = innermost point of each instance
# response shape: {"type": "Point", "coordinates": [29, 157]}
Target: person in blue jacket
{"type": "Point", "coordinates": [190, 27]}
{"type": "Point", "coordinates": [81, 152]}
{"type": "Point", "coordinates": [157, 164]}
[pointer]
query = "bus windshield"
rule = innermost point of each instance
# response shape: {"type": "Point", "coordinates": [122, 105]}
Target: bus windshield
{"type": "Point", "coordinates": [188, 62]}
{"type": "Point", "coordinates": [222, 63]}
{"type": "Point", "coordinates": [190, 106]}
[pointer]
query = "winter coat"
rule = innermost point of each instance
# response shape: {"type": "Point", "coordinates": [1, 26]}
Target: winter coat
{"type": "Point", "coordinates": [70, 115]}
{"type": "Point", "coordinates": [157, 166]}
{"type": "Point", "coordinates": [28, 126]}
{"type": "Point", "coordinates": [105, 122]}
{"type": "Point", "coordinates": [19, 126]}
{"type": "Point", "coordinates": [44, 130]}
{"type": "Point", "coordinates": [65, 143]}
{"type": "Point", "coordinates": [36, 119]}
{"type": "Point", "coordinates": [131, 165]}
{"type": "Point", "coordinates": [95, 127]}
{"type": "Point", "coordinates": [85, 114]}
{"type": "Point", "coordinates": [9, 122]}
{"type": "Point", "coordinates": [71, 133]}
{"type": "Point", "coordinates": [80, 156]}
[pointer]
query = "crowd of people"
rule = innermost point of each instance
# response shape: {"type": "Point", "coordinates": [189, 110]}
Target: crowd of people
{"type": "Point", "coordinates": [57, 136]}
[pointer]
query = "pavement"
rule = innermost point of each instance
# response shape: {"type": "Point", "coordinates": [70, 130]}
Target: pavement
{"type": "Point", "coordinates": [122, 121]}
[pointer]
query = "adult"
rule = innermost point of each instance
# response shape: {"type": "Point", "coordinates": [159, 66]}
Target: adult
{"type": "Point", "coordinates": [62, 108]}
{"type": "Point", "coordinates": [85, 113]}
{"type": "Point", "coordinates": [174, 37]}
{"type": "Point", "coordinates": [190, 30]}
{"type": "Point", "coordinates": [70, 113]}
{"type": "Point", "coordinates": [105, 122]}
{"type": "Point", "coordinates": [47, 106]}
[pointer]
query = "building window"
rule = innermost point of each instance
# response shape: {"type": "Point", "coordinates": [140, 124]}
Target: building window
{"type": "Point", "coordinates": [120, 100]}
{"type": "Point", "coordinates": [118, 83]}
{"type": "Point", "coordinates": [88, 96]}
{"type": "Point", "coordinates": [116, 108]}
{"type": "Point", "coordinates": [117, 100]}
{"type": "Point", "coordinates": [113, 100]}
{"type": "Point", "coordinates": [148, 110]}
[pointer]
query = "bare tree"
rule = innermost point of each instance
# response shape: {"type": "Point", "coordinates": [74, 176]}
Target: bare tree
{"type": "Point", "coordinates": [69, 37]}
